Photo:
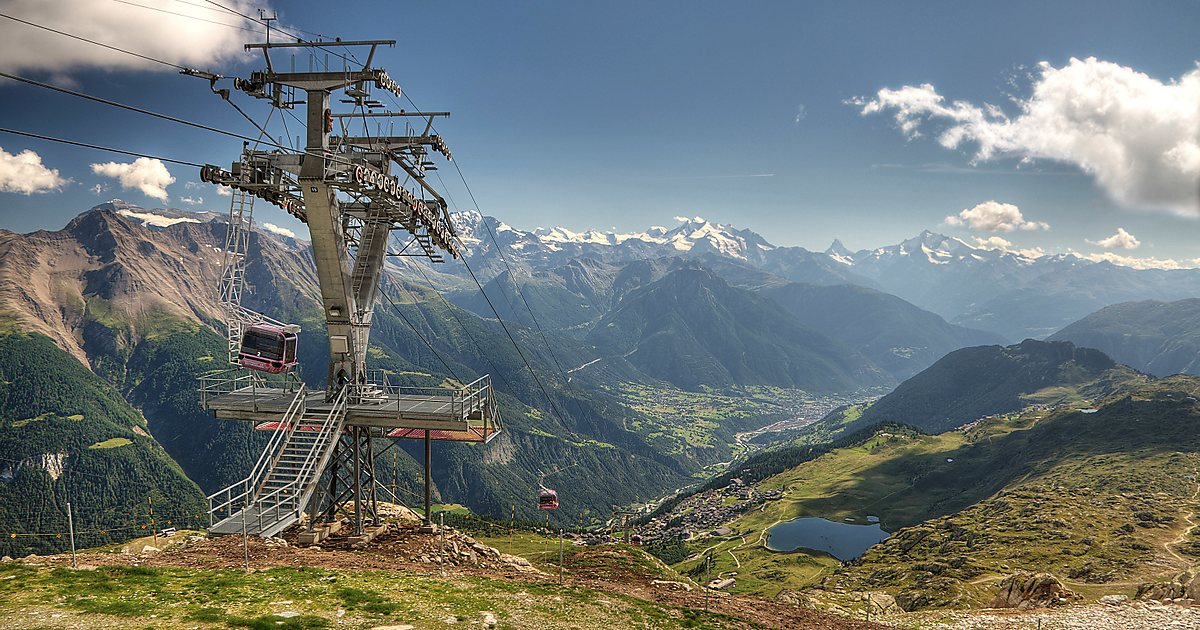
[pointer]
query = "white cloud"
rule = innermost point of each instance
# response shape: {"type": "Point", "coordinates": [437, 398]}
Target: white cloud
{"type": "Point", "coordinates": [1120, 240]}
{"type": "Point", "coordinates": [993, 242]}
{"type": "Point", "coordinates": [1141, 263]}
{"type": "Point", "coordinates": [275, 229]}
{"type": "Point", "coordinates": [24, 173]}
{"type": "Point", "coordinates": [192, 201]}
{"type": "Point", "coordinates": [996, 242]}
{"type": "Point", "coordinates": [202, 37]}
{"type": "Point", "coordinates": [145, 174]}
{"type": "Point", "coordinates": [993, 216]}
{"type": "Point", "coordinates": [98, 189]}
{"type": "Point", "coordinates": [1137, 136]}
{"type": "Point", "coordinates": [224, 192]}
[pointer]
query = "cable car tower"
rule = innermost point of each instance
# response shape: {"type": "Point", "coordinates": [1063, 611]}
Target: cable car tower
{"type": "Point", "coordinates": [352, 192]}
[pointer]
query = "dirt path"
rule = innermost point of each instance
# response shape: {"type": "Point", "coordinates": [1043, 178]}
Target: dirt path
{"type": "Point", "coordinates": [1189, 517]}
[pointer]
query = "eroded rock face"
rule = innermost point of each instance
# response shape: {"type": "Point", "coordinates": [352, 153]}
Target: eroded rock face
{"type": "Point", "coordinates": [1032, 590]}
{"type": "Point", "coordinates": [1186, 584]}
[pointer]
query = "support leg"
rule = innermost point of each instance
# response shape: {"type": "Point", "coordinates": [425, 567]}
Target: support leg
{"type": "Point", "coordinates": [358, 520]}
{"type": "Point", "coordinates": [427, 525]}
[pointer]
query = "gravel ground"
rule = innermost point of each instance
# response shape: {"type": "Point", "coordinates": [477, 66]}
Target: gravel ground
{"type": "Point", "coordinates": [1135, 616]}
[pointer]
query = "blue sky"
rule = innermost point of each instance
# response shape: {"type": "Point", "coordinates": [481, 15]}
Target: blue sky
{"type": "Point", "coordinates": [625, 114]}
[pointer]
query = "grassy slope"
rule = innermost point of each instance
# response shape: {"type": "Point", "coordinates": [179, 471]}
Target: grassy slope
{"type": "Point", "coordinates": [1091, 497]}
{"type": "Point", "coordinates": [167, 598]}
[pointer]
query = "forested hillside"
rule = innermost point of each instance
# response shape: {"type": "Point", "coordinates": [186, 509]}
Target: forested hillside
{"type": "Point", "coordinates": [68, 436]}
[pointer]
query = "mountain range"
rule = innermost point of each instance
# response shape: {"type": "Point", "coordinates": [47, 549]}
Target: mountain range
{"type": "Point", "coordinates": [1011, 294]}
{"type": "Point", "coordinates": [129, 294]}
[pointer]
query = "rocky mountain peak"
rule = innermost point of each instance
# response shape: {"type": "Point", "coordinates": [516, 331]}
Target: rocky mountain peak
{"type": "Point", "coordinates": [836, 248]}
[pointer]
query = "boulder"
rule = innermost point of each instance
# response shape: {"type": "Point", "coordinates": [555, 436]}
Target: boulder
{"type": "Point", "coordinates": [1193, 588]}
{"type": "Point", "coordinates": [881, 603]}
{"type": "Point", "coordinates": [1114, 600]}
{"type": "Point", "coordinates": [1032, 590]}
{"type": "Point", "coordinates": [797, 599]}
{"type": "Point", "coordinates": [1186, 584]}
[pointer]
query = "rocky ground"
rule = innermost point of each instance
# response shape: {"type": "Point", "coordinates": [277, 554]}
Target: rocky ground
{"type": "Point", "coordinates": [453, 555]}
{"type": "Point", "coordinates": [1134, 616]}
{"type": "Point", "coordinates": [1038, 601]}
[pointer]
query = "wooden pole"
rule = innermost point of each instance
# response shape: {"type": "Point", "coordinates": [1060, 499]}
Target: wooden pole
{"type": "Point", "coordinates": [245, 543]}
{"type": "Point", "coordinates": [153, 529]}
{"type": "Point", "coordinates": [707, 568]}
{"type": "Point", "coordinates": [71, 527]}
{"type": "Point", "coordinates": [428, 487]}
{"type": "Point", "coordinates": [560, 556]}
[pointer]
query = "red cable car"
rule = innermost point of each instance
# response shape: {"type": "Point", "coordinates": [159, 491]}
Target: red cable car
{"type": "Point", "coordinates": [268, 348]}
{"type": "Point", "coordinates": [547, 499]}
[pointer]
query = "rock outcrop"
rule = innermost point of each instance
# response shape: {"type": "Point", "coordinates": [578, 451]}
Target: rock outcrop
{"type": "Point", "coordinates": [1183, 585]}
{"type": "Point", "coordinates": [1032, 590]}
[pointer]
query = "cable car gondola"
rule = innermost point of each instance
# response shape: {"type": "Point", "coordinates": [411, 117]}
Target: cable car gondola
{"type": "Point", "coordinates": [268, 348]}
{"type": "Point", "coordinates": [547, 499]}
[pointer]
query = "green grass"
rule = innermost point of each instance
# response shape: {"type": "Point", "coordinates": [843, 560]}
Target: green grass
{"type": "Point", "coordinates": [1092, 498]}
{"type": "Point", "coordinates": [116, 442]}
{"type": "Point", "coordinates": [175, 597]}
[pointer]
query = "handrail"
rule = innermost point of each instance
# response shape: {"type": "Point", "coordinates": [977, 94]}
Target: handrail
{"type": "Point", "coordinates": [249, 483]}
{"type": "Point", "coordinates": [291, 493]}
{"type": "Point", "coordinates": [292, 419]}
{"type": "Point", "coordinates": [240, 380]}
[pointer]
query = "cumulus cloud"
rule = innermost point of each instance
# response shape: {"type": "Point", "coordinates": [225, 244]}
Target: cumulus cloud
{"type": "Point", "coordinates": [1120, 240]}
{"type": "Point", "coordinates": [98, 189]}
{"type": "Point", "coordinates": [993, 216]}
{"type": "Point", "coordinates": [1137, 136]}
{"type": "Point", "coordinates": [191, 201]}
{"type": "Point", "coordinates": [189, 34]}
{"type": "Point", "coordinates": [224, 192]}
{"type": "Point", "coordinates": [1141, 263]}
{"type": "Point", "coordinates": [275, 229]}
{"type": "Point", "coordinates": [993, 242]}
{"type": "Point", "coordinates": [996, 242]}
{"type": "Point", "coordinates": [145, 174]}
{"type": "Point", "coordinates": [24, 173]}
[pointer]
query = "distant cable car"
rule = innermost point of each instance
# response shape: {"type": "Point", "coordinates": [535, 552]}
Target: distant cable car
{"type": "Point", "coordinates": [547, 499]}
{"type": "Point", "coordinates": [269, 348]}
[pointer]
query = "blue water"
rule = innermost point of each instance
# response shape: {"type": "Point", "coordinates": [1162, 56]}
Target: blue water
{"type": "Point", "coordinates": [844, 541]}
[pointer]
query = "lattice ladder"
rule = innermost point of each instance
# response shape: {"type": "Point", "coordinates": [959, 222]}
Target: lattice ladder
{"type": "Point", "coordinates": [233, 275]}
{"type": "Point", "coordinates": [277, 496]}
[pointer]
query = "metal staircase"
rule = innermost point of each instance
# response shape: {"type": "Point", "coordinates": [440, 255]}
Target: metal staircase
{"type": "Point", "coordinates": [276, 492]}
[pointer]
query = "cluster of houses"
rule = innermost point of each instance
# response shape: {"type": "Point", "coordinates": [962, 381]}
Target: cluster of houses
{"type": "Point", "coordinates": [706, 513]}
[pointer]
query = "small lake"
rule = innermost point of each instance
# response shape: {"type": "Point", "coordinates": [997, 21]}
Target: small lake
{"type": "Point", "coordinates": [844, 541]}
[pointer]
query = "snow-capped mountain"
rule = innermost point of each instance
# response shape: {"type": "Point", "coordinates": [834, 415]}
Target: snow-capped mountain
{"type": "Point", "coordinates": [693, 236]}
{"type": "Point", "coordinates": [158, 217]}
{"type": "Point", "coordinates": [1011, 293]}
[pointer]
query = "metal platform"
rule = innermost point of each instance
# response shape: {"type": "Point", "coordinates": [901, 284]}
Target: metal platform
{"type": "Point", "coordinates": [466, 413]}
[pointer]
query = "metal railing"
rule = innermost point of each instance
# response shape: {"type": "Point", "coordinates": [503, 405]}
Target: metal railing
{"type": "Point", "coordinates": [236, 496]}
{"type": "Point", "coordinates": [291, 496]}
{"type": "Point", "coordinates": [458, 402]}
{"type": "Point", "coordinates": [259, 386]}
